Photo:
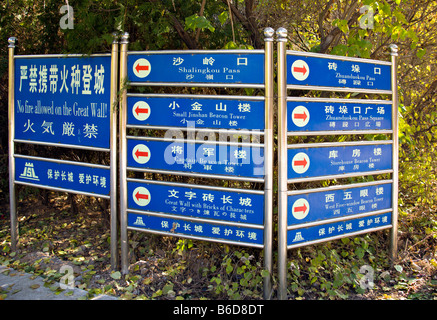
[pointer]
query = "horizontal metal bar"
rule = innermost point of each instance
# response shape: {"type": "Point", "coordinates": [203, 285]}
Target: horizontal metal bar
{"type": "Point", "coordinates": [336, 133]}
{"type": "Point", "coordinates": [333, 89]}
{"type": "Point", "coordinates": [330, 56]}
{"type": "Point", "coordinates": [104, 196]}
{"type": "Point", "coordinates": [340, 176]}
{"type": "Point", "coordinates": [71, 55]}
{"type": "Point", "coordinates": [195, 84]}
{"type": "Point", "coordinates": [198, 175]}
{"type": "Point", "coordinates": [339, 187]}
{"type": "Point", "coordinates": [162, 52]}
{"type": "Point", "coordinates": [344, 218]}
{"type": "Point", "coordinates": [195, 96]}
{"type": "Point", "coordinates": [337, 100]}
{"type": "Point", "coordinates": [199, 220]}
{"type": "Point", "coordinates": [76, 163]}
{"type": "Point", "coordinates": [61, 145]}
{"type": "Point", "coordinates": [292, 246]}
{"type": "Point", "coordinates": [244, 244]}
{"type": "Point", "coordinates": [190, 141]}
{"type": "Point", "coordinates": [337, 144]}
{"type": "Point", "coordinates": [196, 186]}
{"type": "Point", "coordinates": [195, 129]}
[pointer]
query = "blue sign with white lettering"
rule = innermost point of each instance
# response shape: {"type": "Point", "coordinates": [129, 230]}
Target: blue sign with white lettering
{"type": "Point", "coordinates": [78, 177]}
{"type": "Point", "coordinates": [193, 112]}
{"type": "Point", "coordinates": [185, 67]}
{"type": "Point", "coordinates": [331, 116]}
{"type": "Point", "coordinates": [174, 226]}
{"type": "Point", "coordinates": [63, 100]}
{"type": "Point", "coordinates": [315, 206]}
{"type": "Point", "coordinates": [329, 71]}
{"type": "Point", "coordinates": [297, 237]}
{"type": "Point", "coordinates": [314, 162]}
{"type": "Point", "coordinates": [205, 157]}
{"type": "Point", "coordinates": [196, 202]}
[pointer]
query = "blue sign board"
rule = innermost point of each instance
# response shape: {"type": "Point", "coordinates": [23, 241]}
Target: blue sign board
{"type": "Point", "coordinates": [343, 228]}
{"type": "Point", "coordinates": [334, 72]}
{"type": "Point", "coordinates": [195, 202]}
{"type": "Point", "coordinates": [324, 205]}
{"type": "Point", "coordinates": [171, 225]}
{"type": "Point", "coordinates": [205, 157]}
{"type": "Point", "coordinates": [181, 67]}
{"type": "Point", "coordinates": [329, 116]}
{"type": "Point", "coordinates": [314, 162]}
{"type": "Point", "coordinates": [63, 100]}
{"type": "Point", "coordinates": [193, 112]}
{"type": "Point", "coordinates": [78, 177]}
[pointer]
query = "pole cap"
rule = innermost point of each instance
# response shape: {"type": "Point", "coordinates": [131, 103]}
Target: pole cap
{"type": "Point", "coordinates": [393, 49]}
{"type": "Point", "coordinates": [124, 38]}
{"type": "Point", "coordinates": [115, 37]}
{"type": "Point", "coordinates": [11, 42]}
{"type": "Point", "coordinates": [268, 34]}
{"type": "Point", "coordinates": [281, 34]}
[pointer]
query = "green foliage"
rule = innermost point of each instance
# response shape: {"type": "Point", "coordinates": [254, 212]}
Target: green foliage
{"type": "Point", "coordinates": [239, 275]}
{"type": "Point", "coordinates": [195, 22]}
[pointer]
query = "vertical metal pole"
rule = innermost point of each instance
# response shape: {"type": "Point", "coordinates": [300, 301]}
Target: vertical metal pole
{"type": "Point", "coordinates": [281, 35]}
{"type": "Point", "coordinates": [395, 125]}
{"type": "Point", "coordinates": [268, 161]}
{"type": "Point", "coordinates": [11, 128]}
{"type": "Point", "coordinates": [113, 152]}
{"type": "Point", "coordinates": [123, 154]}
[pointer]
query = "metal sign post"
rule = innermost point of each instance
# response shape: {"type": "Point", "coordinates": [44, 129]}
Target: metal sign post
{"type": "Point", "coordinates": [11, 126]}
{"type": "Point", "coordinates": [316, 215]}
{"type": "Point", "coordinates": [395, 138]}
{"type": "Point", "coordinates": [63, 101]}
{"type": "Point", "coordinates": [225, 215]}
{"type": "Point", "coordinates": [281, 37]}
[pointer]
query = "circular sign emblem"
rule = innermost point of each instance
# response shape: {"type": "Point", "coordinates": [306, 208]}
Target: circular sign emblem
{"type": "Point", "coordinates": [141, 196]}
{"type": "Point", "coordinates": [300, 116]}
{"type": "Point", "coordinates": [300, 70]}
{"type": "Point", "coordinates": [141, 110]}
{"type": "Point", "coordinates": [141, 153]}
{"type": "Point", "coordinates": [300, 209]}
{"type": "Point", "coordinates": [300, 162]}
{"type": "Point", "coordinates": [142, 68]}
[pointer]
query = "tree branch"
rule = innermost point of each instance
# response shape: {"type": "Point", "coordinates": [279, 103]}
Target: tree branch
{"type": "Point", "coordinates": [247, 21]}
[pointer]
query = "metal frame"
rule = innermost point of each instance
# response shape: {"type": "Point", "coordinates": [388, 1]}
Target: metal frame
{"type": "Point", "coordinates": [283, 146]}
{"type": "Point", "coordinates": [268, 86]}
{"type": "Point", "coordinates": [112, 148]}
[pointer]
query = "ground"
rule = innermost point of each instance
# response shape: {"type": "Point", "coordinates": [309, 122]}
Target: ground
{"type": "Point", "coordinates": [54, 234]}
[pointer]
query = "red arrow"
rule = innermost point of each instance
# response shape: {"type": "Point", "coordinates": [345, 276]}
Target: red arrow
{"type": "Point", "coordinates": [302, 69]}
{"type": "Point", "coordinates": [303, 116]}
{"type": "Point", "coordinates": [301, 209]}
{"type": "Point", "coordinates": [138, 110]}
{"type": "Point", "coordinates": [300, 163]}
{"type": "Point", "coordinates": [141, 196]}
{"type": "Point", "coordinates": [141, 68]}
{"type": "Point", "coordinates": [139, 153]}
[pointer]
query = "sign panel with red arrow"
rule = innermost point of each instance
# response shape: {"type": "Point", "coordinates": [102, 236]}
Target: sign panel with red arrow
{"type": "Point", "coordinates": [321, 70]}
{"type": "Point", "coordinates": [339, 160]}
{"type": "Point", "coordinates": [339, 202]}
